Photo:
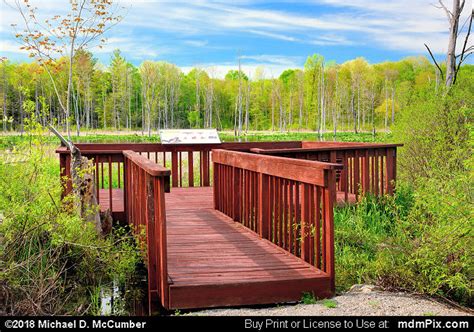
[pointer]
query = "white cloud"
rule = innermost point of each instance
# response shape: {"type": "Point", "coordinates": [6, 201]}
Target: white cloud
{"type": "Point", "coordinates": [402, 25]}
{"type": "Point", "coordinates": [196, 43]}
{"type": "Point", "coordinates": [273, 65]}
{"type": "Point", "coordinates": [274, 35]}
{"type": "Point", "coordinates": [288, 61]}
{"type": "Point", "coordinates": [11, 47]}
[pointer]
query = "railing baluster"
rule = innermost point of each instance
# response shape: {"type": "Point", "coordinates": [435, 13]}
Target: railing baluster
{"type": "Point", "coordinates": [290, 217]}
{"type": "Point", "coordinates": [376, 177]}
{"type": "Point", "coordinates": [118, 172]}
{"type": "Point", "coordinates": [97, 187]}
{"type": "Point", "coordinates": [174, 168]}
{"type": "Point", "coordinates": [110, 184]}
{"type": "Point", "coordinates": [317, 227]}
{"type": "Point", "coordinates": [382, 183]}
{"type": "Point", "coordinates": [285, 214]}
{"type": "Point", "coordinates": [190, 169]}
{"type": "Point", "coordinates": [180, 170]}
{"type": "Point", "coordinates": [297, 225]}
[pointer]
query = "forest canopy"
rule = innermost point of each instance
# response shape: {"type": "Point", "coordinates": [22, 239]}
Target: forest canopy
{"type": "Point", "coordinates": [322, 96]}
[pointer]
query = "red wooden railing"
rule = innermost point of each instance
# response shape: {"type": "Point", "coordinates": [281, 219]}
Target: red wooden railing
{"type": "Point", "coordinates": [367, 167]}
{"type": "Point", "coordinates": [189, 164]}
{"type": "Point", "coordinates": [145, 185]}
{"type": "Point", "coordinates": [286, 201]}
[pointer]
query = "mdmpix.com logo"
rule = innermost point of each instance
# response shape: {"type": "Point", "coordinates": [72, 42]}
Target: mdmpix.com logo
{"type": "Point", "coordinates": [431, 323]}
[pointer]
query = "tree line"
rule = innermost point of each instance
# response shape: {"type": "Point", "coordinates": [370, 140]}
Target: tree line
{"type": "Point", "coordinates": [323, 96]}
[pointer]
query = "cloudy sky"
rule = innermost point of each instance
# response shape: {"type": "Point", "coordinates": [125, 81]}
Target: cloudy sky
{"type": "Point", "coordinates": [273, 34]}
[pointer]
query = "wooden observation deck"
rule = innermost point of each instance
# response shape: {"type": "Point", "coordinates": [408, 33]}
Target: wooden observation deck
{"type": "Point", "coordinates": [236, 223]}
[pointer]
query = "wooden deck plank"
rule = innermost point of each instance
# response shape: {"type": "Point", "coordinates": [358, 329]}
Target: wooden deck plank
{"type": "Point", "coordinates": [214, 261]}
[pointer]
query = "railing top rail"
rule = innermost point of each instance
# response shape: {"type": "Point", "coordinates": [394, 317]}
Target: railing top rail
{"type": "Point", "coordinates": [354, 146]}
{"type": "Point", "coordinates": [63, 150]}
{"type": "Point", "coordinates": [341, 143]}
{"type": "Point", "coordinates": [158, 147]}
{"type": "Point", "coordinates": [146, 164]}
{"type": "Point", "coordinates": [307, 171]}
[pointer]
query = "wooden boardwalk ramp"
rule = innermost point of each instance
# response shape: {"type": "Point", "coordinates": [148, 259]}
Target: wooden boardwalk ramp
{"type": "Point", "coordinates": [214, 261]}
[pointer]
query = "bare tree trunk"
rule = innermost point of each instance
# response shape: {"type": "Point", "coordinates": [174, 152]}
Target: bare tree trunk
{"type": "Point", "coordinates": [273, 106]}
{"type": "Point", "coordinates": [354, 113]}
{"type": "Point", "coordinates": [69, 87]}
{"type": "Point", "coordinates": [129, 100]}
{"type": "Point", "coordinates": [372, 108]}
{"type": "Point", "coordinates": [290, 110]}
{"type": "Point", "coordinates": [114, 103]}
{"type": "Point", "coordinates": [5, 92]}
{"type": "Point", "coordinates": [21, 113]}
{"type": "Point", "coordinates": [239, 131]}
{"type": "Point", "coordinates": [386, 105]}
{"type": "Point", "coordinates": [336, 104]}
{"type": "Point", "coordinates": [198, 99]}
{"type": "Point", "coordinates": [358, 104]}
{"type": "Point", "coordinates": [301, 101]}
{"type": "Point", "coordinates": [83, 184]}
{"type": "Point", "coordinates": [247, 107]}
{"type": "Point", "coordinates": [393, 105]}
{"type": "Point", "coordinates": [104, 102]}
{"type": "Point", "coordinates": [280, 107]}
{"type": "Point", "coordinates": [322, 119]}
{"type": "Point", "coordinates": [143, 112]}
{"type": "Point", "coordinates": [453, 34]}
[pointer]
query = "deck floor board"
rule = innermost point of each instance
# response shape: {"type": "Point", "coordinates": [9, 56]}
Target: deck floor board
{"type": "Point", "coordinates": [212, 255]}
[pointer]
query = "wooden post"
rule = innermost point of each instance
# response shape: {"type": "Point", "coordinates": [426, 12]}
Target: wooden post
{"type": "Point", "coordinates": [333, 159]}
{"type": "Point", "coordinates": [63, 174]}
{"type": "Point", "coordinates": [125, 187]}
{"type": "Point", "coordinates": [153, 276]}
{"type": "Point", "coordinates": [390, 167]}
{"type": "Point", "coordinates": [329, 227]}
{"type": "Point", "coordinates": [160, 231]}
{"type": "Point", "coordinates": [264, 206]}
{"type": "Point", "coordinates": [216, 189]}
{"type": "Point", "coordinates": [394, 169]}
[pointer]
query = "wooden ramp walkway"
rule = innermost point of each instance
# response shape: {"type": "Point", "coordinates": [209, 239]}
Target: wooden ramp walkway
{"type": "Point", "coordinates": [214, 261]}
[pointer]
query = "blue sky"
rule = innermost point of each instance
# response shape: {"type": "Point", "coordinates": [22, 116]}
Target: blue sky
{"type": "Point", "coordinates": [275, 35]}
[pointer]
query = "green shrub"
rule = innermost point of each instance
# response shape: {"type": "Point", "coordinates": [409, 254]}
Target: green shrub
{"type": "Point", "coordinates": [421, 239]}
{"type": "Point", "coordinates": [52, 261]}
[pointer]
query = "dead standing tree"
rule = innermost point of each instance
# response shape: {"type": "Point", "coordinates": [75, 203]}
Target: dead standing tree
{"type": "Point", "coordinates": [46, 40]}
{"type": "Point", "coordinates": [453, 61]}
{"type": "Point", "coordinates": [83, 184]}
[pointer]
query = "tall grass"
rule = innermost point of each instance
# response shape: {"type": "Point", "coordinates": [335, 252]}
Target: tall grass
{"type": "Point", "coordinates": [383, 240]}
